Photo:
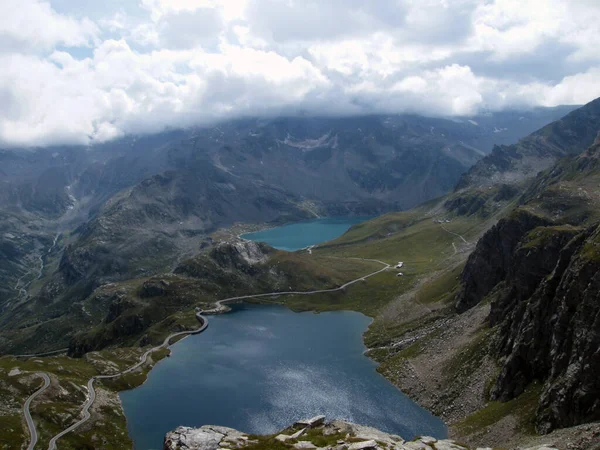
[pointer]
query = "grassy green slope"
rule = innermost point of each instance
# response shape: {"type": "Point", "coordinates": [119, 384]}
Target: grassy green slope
{"type": "Point", "coordinates": [59, 406]}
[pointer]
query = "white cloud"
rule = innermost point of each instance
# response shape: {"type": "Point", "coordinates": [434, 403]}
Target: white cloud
{"type": "Point", "coordinates": [62, 99]}
{"type": "Point", "coordinates": [32, 25]}
{"type": "Point", "coordinates": [454, 89]}
{"type": "Point", "coordinates": [307, 20]}
{"type": "Point", "coordinates": [574, 89]}
{"type": "Point", "coordinates": [229, 9]}
{"type": "Point", "coordinates": [173, 63]}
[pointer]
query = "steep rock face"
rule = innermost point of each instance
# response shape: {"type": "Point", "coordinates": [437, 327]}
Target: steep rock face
{"type": "Point", "coordinates": [555, 338]}
{"type": "Point", "coordinates": [491, 261]}
{"type": "Point", "coordinates": [533, 259]}
{"type": "Point", "coordinates": [541, 276]}
{"type": "Point", "coordinates": [545, 286]}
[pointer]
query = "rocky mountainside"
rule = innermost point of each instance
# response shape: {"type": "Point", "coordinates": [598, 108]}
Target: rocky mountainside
{"type": "Point", "coordinates": [310, 434]}
{"type": "Point", "coordinates": [400, 160]}
{"type": "Point", "coordinates": [540, 268]}
{"type": "Point", "coordinates": [516, 163]}
{"type": "Point", "coordinates": [50, 191]}
{"type": "Point", "coordinates": [510, 174]}
{"type": "Point", "coordinates": [52, 181]}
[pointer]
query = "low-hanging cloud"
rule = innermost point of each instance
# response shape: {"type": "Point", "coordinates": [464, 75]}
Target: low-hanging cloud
{"type": "Point", "coordinates": [71, 75]}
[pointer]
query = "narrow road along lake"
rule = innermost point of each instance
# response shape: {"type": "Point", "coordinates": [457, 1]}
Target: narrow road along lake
{"type": "Point", "coordinates": [302, 234]}
{"type": "Point", "coordinates": [260, 368]}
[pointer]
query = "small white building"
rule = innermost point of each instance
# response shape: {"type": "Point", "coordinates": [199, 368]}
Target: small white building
{"type": "Point", "coordinates": [399, 265]}
{"type": "Point", "coordinates": [400, 274]}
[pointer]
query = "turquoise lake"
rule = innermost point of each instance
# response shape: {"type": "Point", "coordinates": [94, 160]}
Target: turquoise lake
{"type": "Point", "coordinates": [260, 368]}
{"type": "Point", "coordinates": [303, 234]}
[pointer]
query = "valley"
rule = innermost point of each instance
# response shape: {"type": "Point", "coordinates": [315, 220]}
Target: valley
{"type": "Point", "coordinates": [453, 332]}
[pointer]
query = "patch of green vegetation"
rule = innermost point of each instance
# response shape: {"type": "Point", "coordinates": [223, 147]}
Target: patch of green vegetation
{"type": "Point", "coordinates": [393, 364]}
{"type": "Point", "coordinates": [113, 360]}
{"type": "Point", "coordinates": [410, 352]}
{"type": "Point", "coordinates": [305, 272]}
{"type": "Point", "coordinates": [379, 354]}
{"type": "Point", "coordinates": [491, 382]}
{"type": "Point", "coordinates": [317, 437]}
{"type": "Point", "coordinates": [13, 435]}
{"type": "Point", "coordinates": [265, 443]}
{"type": "Point", "coordinates": [377, 228]}
{"type": "Point", "coordinates": [523, 214]}
{"type": "Point", "coordinates": [382, 332]}
{"type": "Point", "coordinates": [420, 246]}
{"type": "Point", "coordinates": [443, 288]}
{"type": "Point", "coordinates": [469, 358]}
{"type": "Point", "coordinates": [364, 296]}
{"type": "Point", "coordinates": [540, 236]}
{"type": "Point", "coordinates": [314, 435]}
{"type": "Point", "coordinates": [591, 249]}
{"type": "Point", "coordinates": [134, 379]}
{"type": "Point", "coordinates": [60, 405]}
{"type": "Point", "coordinates": [522, 408]}
{"type": "Point", "coordinates": [57, 407]}
{"type": "Point", "coordinates": [472, 202]}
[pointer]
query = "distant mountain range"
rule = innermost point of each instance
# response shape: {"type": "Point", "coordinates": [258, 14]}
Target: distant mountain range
{"type": "Point", "coordinates": [493, 325]}
{"type": "Point", "coordinates": [72, 219]}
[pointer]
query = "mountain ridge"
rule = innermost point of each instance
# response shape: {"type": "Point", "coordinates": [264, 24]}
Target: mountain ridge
{"type": "Point", "coordinates": [453, 364]}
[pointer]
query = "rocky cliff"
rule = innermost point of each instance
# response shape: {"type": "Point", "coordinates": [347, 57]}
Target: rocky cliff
{"type": "Point", "coordinates": [554, 337]}
{"type": "Point", "coordinates": [543, 282]}
{"type": "Point", "coordinates": [491, 262]}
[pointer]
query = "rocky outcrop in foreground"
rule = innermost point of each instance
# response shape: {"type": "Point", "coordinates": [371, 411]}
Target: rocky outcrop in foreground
{"type": "Point", "coordinates": [308, 434]}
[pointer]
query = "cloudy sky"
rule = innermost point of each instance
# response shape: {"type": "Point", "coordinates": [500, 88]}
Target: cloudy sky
{"type": "Point", "coordinates": [84, 71]}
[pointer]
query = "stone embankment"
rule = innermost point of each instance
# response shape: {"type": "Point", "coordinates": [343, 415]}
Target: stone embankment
{"type": "Point", "coordinates": [310, 434]}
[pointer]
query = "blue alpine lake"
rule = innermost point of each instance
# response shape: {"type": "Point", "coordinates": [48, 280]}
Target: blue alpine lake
{"type": "Point", "coordinates": [300, 235]}
{"type": "Point", "coordinates": [260, 368]}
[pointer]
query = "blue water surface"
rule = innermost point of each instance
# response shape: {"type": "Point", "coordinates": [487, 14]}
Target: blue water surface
{"type": "Point", "coordinates": [303, 234]}
{"type": "Point", "coordinates": [260, 368]}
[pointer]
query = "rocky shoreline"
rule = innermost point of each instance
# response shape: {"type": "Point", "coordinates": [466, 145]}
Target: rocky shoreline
{"type": "Point", "coordinates": [310, 434]}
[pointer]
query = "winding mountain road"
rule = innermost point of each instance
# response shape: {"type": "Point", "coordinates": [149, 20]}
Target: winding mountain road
{"type": "Point", "coordinates": [35, 355]}
{"type": "Point", "coordinates": [90, 385]}
{"type": "Point", "coordinates": [203, 325]}
{"type": "Point", "coordinates": [455, 234]}
{"type": "Point", "coordinates": [27, 413]}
